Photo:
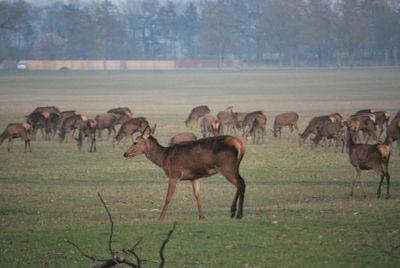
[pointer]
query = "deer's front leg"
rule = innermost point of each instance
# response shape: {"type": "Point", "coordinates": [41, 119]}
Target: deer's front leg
{"type": "Point", "coordinates": [171, 189]}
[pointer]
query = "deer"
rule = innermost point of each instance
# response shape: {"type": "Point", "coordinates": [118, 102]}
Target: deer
{"type": "Point", "coordinates": [285, 119]}
{"type": "Point", "coordinates": [129, 128]}
{"type": "Point", "coordinates": [195, 114]}
{"type": "Point", "coordinates": [182, 137]}
{"type": "Point", "coordinates": [70, 124]}
{"type": "Point", "coordinates": [106, 121]}
{"type": "Point", "coordinates": [229, 120]}
{"type": "Point", "coordinates": [393, 132]}
{"type": "Point", "coordinates": [38, 120]}
{"type": "Point", "coordinates": [366, 157]}
{"type": "Point", "coordinates": [47, 109]}
{"type": "Point", "coordinates": [330, 131]}
{"type": "Point", "coordinates": [249, 119]}
{"type": "Point", "coordinates": [122, 114]}
{"type": "Point", "coordinates": [206, 127]}
{"type": "Point", "coordinates": [364, 123]}
{"type": "Point", "coordinates": [87, 129]}
{"type": "Point", "coordinates": [193, 160]}
{"type": "Point", "coordinates": [316, 123]}
{"type": "Point", "coordinates": [257, 130]}
{"type": "Point", "coordinates": [381, 118]}
{"type": "Point", "coordinates": [17, 130]}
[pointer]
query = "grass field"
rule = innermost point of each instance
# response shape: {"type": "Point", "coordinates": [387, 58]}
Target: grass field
{"type": "Point", "coordinates": [297, 211]}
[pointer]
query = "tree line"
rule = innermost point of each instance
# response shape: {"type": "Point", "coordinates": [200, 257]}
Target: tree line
{"type": "Point", "coordinates": [277, 32]}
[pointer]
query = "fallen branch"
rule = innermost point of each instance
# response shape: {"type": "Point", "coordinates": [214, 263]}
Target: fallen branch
{"type": "Point", "coordinates": [115, 260]}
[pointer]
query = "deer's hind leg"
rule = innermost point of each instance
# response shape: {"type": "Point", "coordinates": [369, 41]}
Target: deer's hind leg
{"type": "Point", "coordinates": [196, 192]}
{"type": "Point", "coordinates": [234, 177]}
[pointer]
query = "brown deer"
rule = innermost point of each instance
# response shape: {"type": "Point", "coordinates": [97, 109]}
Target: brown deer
{"type": "Point", "coordinates": [38, 120]}
{"type": "Point", "coordinates": [285, 119]}
{"type": "Point", "coordinates": [195, 114]}
{"type": "Point", "coordinates": [52, 123]}
{"type": "Point", "coordinates": [364, 123]}
{"type": "Point", "coordinates": [216, 128]}
{"type": "Point", "coordinates": [257, 130]}
{"type": "Point", "coordinates": [206, 125]}
{"type": "Point", "coordinates": [366, 157]}
{"type": "Point", "coordinates": [106, 121]}
{"type": "Point", "coordinates": [87, 129]}
{"type": "Point", "coordinates": [316, 123]}
{"type": "Point", "coordinates": [249, 119]}
{"type": "Point", "coordinates": [330, 131]}
{"type": "Point", "coordinates": [182, 137]}
{"type": "Point", "coordinates": [195, 160]}
{"type": "Point", "coordinates": [69, 125]}
{"type": "Point", "coordinates": [129, 128]}
{"type": "Point", "coordinates": [122, 114]}
{"type": "Point", "coordinates": [17, 130]}
{"type": "Point", "coordinates": [393, 132]}
{"type": "Point", "coordinates": [229, 120]}
{"type": "Point", "coordinates": [381, 118]}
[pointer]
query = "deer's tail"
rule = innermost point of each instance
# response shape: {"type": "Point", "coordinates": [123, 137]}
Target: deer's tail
{"type": "Point", "coordinates": [384, 150]}
{"type": "Point", "coordinates": [239, 146]}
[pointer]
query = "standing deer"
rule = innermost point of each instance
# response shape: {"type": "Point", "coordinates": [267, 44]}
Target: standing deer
{"type": "Point", "coordinates": [195, 160]}
{"type": "Point", "coordinates": [122, 114]}
{"type": "Point", "coordinates": [330, 131]}
{"type": "Point", "coordinates": [195, 114]}
{"type": "Point", "coordinates": [18, 130]}
{"type": "Point", "coordinates": [129, 128]}
{"type": "Point", "coordinates": [393, 132]}
{"type": "Point", "coordinates": [366, 157]}
{"type": "Point", "coordinates": [38, 120]}
{"type": "Point", "coordinates": [249, 119]}
{"type": "Point", "coordinates": [206, 125]}
{"type": "Point", "coordinates": [87, 129]}
{"type": "Point", "coordinates": [364, 123]}
{"type": "Point", "coordinates": [381, 118]}
{"type": "Point", "coordinates": [285, 119]}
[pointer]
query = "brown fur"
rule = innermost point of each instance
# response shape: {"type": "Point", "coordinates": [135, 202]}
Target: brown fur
{"type": "Point", "coordinates": [87, 129]}
{"type": "Point", "coordinates": [194, 160]}
{"type": "Point", "coordinates": [285, 119]}
{"type": "Point", "coordinates": [129, 128]}
{"type": "Point", "coordinates": [195, 114]}
{"type": "Point", "coordinates": [182, 137]}
{"type": "Point", "coordinates": [229, 120]}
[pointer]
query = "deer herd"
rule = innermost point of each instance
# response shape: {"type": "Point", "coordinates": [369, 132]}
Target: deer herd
{"type": "Point", "coordinates": [220, 150]}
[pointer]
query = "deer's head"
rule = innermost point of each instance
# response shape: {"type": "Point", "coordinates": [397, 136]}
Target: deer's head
{"type": "Point", "coordinates": [139, 146]}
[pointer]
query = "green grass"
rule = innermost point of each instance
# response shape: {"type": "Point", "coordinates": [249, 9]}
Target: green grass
{"type": "Point", "coordinates": [297, 212]}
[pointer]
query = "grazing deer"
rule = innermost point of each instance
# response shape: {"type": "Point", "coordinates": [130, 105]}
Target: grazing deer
{"type": "Point", "coordinates": [47, 109]}
{"type": "Point", "coordinates": [87, 129]}
{"type": "Point", "coordinates": [316, 123]}
{"type": "Point", "coordinates": [364, 123]}
{"type": "Point", "coordinates": [106, 121]}
{"type": "Point", "coordinates": [70, 124]}
{"type": "Point", "coordinates": [38, 120]}
{"type": "Point", "coordinates": [195, 114]}
{"type": "Point", "coordinates": [17, 130]}
{"type": "Point", "coordinates": [182, 137]}
{"type": "Point", "coordinates": [206, 125]}
{"type": "Point", "coordinates": [330, 131]}
{"type": "Point", "coordinates": [52, 123]}
{"type": "Point", "coordinates": [129, 128]}
{"type": "Point", "coordinates": [229, 120]}
{"type": "Point", "coordinates": [257, 130]}
{"type": "Point", "coordinates": [381, 118]}
{"type": "Point", "coordinates": [285, 119]}
{"type": "Point", "coordinates": [195, 160]}
{"type": "Point", "coordinates": [366, 157]}
{"type": "Point", "coordinates": [122, 114]}
{"type": "Point", "coordinates": [249, 119]}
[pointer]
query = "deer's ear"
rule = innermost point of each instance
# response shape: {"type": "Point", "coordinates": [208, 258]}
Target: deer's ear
{"type": "Point", "coordinates": [153, 129]}
{"type": "Point", "coordinates": [146, 132]}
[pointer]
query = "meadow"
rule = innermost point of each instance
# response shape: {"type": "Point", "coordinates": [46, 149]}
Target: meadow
{"type": "Point", "coordinates": [297, 211]}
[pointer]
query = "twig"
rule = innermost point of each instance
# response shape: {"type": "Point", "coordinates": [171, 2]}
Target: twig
{"type": "Point", "coordinates": [111, 227]}
{"type": "Point", "coordinates": [80, 250]}
{"type": "Point", "coordinates": [164, 244]}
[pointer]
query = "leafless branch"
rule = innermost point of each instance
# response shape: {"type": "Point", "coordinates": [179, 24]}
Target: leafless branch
{"type": "Point", "coordinates": [164, 244]}
{"type": "Point", "coordinates": [111, 227]}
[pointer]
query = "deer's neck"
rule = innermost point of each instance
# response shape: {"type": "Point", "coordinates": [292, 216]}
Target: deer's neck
{"type": "Point", "coordinates": [155, 152]}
